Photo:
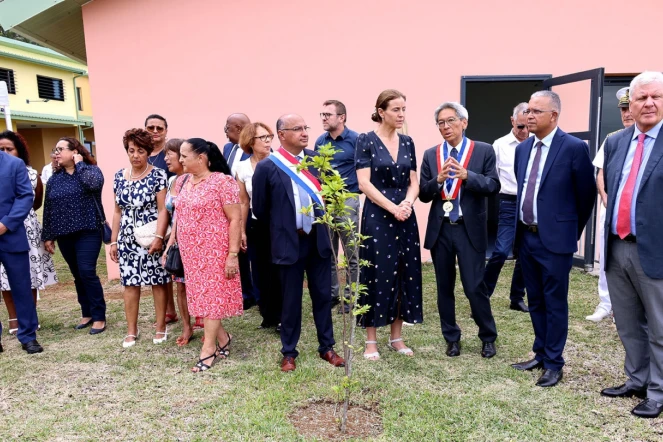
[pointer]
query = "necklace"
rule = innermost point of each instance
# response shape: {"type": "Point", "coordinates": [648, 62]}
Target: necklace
{"type": "Point", "coordinates": [131, 174]}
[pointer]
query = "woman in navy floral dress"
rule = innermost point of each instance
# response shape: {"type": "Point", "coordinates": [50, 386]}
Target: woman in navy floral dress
{"type": "Point", "coordinates": [386, 170]}
{"type": "Point", "coordinates": [140, 193]}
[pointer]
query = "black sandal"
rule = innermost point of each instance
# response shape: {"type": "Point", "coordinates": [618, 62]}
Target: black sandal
{"type": "Point", "coordinates": [224, 352]}
{"type": "Point", "coordinates": [202, 366]}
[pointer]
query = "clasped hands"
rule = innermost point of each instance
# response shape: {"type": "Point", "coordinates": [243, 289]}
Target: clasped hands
{"type": "Point", "coordinates": [451, 169]}
{"type": "Point", "coordinates": [402, 211]}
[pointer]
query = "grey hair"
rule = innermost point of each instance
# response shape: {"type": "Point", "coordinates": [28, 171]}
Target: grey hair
{"type": "Point", "coordinates": [554, 99]}
{"type": "Point", "coordinates": [460, 110]}
{"type": "Point", "coordinates": [647, 77]}
{"type": "Point", "coordinates": [519, 109]}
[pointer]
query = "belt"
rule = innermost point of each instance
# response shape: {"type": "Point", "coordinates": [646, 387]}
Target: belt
{"type": "Point", "coordinates": [627, 238]}
{"type": "Point", "coordinates": [446, 219]}
{"type": "Point", "coordinates": [506, 196]}
{"type": "Point", "coordinates": [530, 228]}
{"type": "Point", "coordinates": [301, 232]}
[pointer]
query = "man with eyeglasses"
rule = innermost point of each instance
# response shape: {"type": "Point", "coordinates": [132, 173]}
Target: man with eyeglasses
{"type": "Point", "coordinates": [157, 126]}
{"type": "Point", "coordinates": [334, 117]}
{"type": "Point", "coordinates": [298, 245]}
{"type": "Point", "coordinates": [505, 153]}
{"type": "Point", "coordinates": [556, 196]}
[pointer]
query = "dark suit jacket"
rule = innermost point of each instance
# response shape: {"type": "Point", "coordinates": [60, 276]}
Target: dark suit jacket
{"type": "Point", "coordinates": [482, 180]}
{"type": "Point", "coordinates": [16, 200]}
{"type": "Point", "coordinates": [649, 210]}
{"type": "Point", "coordinates": [566, 193]}
{"type": "Point", "coordinates": [274, 205]}
{"type": "Point", "coordinates": [228, 148]}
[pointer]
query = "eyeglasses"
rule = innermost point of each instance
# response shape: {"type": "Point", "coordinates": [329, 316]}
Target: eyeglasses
{"type": "Point", "coordinates": [447, 122]}
{"type": "Point", "coordinates": [58, 150]}
{"type": "Point", "coordinates": [521, 126]}
{"type": "Point", "coordinates": [265, 138]}
{"type": "Point", "coordinates": [535, 111]}
{"type": "Point", "coordinates": [157, 129]}
{"type": "Point", "coordinates": [298, 129]}
{"type": "Point", "coordinates": [326, 116]}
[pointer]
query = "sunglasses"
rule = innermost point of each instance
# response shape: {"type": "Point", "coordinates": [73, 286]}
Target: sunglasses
{"type": "Point", "coordinates": [521, 126]}
{"type": "Point", "coordinates": [157, 129]}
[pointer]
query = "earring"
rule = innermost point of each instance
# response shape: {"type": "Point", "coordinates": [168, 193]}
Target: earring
{"type": "Point", "coordinates": [209, 164]}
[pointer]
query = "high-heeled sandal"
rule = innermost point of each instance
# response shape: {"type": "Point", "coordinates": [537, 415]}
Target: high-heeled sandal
{"type": "Point", "coordinates": [403, 351]}
{"type": "Point", "coordinates": [162, 339]}
{"type": "Point", "coordinates": [224, 352]}
{"type": "Point", "coordinates": [374, 356]}
{"type": "Point", "coordinates": [202, 366]}
{"type": "Point", "coordinates": [13, 331]}
{"type": "Point", "coordinates": [126, 344]}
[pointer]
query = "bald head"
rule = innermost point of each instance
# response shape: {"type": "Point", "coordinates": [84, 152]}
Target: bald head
{"type": "Point", "coordinates": [234, 125]}
{"type": "Point", "coordinates": [292, 132]}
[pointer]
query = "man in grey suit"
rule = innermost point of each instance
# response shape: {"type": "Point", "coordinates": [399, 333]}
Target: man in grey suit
{"type": "Point", "coordinates": [457, 176]}
{"type": "Point", "coordinates": [633, 174]}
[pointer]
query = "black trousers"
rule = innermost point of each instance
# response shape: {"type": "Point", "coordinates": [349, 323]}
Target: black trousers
{"type": "Point", "coordinates": [319, 287]}
{"type": "Point", "coordinates": [264, 273]}
{"type": "Point", "coordinates": [452, 243]}
{"type": "Point", "coordinates": [81, 251]}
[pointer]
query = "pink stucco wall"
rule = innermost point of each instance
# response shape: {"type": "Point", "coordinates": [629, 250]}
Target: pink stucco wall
{"type": "Point", "coordinates": [197, 61]}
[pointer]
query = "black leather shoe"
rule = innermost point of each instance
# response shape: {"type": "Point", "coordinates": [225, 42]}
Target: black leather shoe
{"type": "Point", "coordinates": [549, 378]}
{"type": "Point", "coordinates": [453, 349]}
{"type": "Point", "coordinates": [528, 365]}
{"type": "Point", "coordinates": [488, 350]}
{"type": "Point", "coordinates": [648, 408]}
{"type": "Point", "coordinates": [519, 306]}
{"type": "Point", "coordinates": [624, 391]}
{"type": "Point", "coordinates": [248, 303]}
{"type": "Point", "coordinates": [1, 349]}
{"type": "Point", "coordinates": [96, 331]}
{"type": "Point", "coordinates": [84, 325]}
{"type": "Point", "coordinates": [32, 347]}
{"type": "Point", "coordinates": [278, 328]}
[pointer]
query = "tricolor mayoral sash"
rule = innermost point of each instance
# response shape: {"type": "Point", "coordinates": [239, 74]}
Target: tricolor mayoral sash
{"type": "Point", "coordinates": [451, 186]}
{"type": "Point", "coordinates": [285, 161]}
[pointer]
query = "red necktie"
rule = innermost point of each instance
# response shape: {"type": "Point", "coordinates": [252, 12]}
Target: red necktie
{"type": "Point", "coordinates": [624, 214]}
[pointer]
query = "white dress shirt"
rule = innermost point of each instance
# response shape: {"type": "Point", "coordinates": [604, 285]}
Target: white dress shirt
{"type": "Point", "coordinates": [298, 204]}
{"type": "Point", "coordinates": [505, 155]}
{"type": "Point", "coordinates": [547, 140]}
{"type": "Point", "coordinates": [244, 175]}
{"type": "Point", "coordinates": [236, 160]}
{"type": "Point", "coordinates": [46, 173]}
{"type": "Point", "coordinates": [439, 186]}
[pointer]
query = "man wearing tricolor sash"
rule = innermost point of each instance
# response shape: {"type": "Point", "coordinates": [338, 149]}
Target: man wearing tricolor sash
{"type": "Point", "coordinates": [457, 176]}
{"type": "Point", "coordinates": [298, 245]}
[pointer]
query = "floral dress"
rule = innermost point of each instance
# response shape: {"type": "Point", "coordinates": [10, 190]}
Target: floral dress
{"type": "Point", "coordinates": [202, 234]}
{"type": "Point", "coordinates": [138, 201]}
{"type": "Point", "coordinates": [42, 270]}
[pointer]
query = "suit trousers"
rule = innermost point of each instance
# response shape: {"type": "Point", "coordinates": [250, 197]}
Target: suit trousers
{"type": "Point", "coordinates": [352, 271]}
{"type": "Point", "coordinates": [547, 283]}
{"type": "Point", "coordinates": [506, 234]}
{"type": "Point", "coordinates": [81, 251]}
{"type": "Point", "coordinates": [319, 286]}
{"type": "Point", "coordinates": [637, 303]}
{"type": "Point", "coordinates": [263, 272]}
{"type": "Point", "coordinates": [17, 266]}
{"type": "Point", "coordinates": [453, 242]}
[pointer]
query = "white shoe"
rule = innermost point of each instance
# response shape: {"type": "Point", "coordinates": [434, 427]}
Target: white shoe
{"type": "Point", "coordinates": [126, 344]}
{"type": "Point", "coordinates": [598, 315]}
{"type": "Point", "coordinates": [374, 356]}
{"type": "Point", "coordinates": [404, 351]}
{"type": "Point", "coordinates": [162, 339]}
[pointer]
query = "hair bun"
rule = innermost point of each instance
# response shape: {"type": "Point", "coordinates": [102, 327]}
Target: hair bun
{"type": "Point", "coordinates": [376, 117]}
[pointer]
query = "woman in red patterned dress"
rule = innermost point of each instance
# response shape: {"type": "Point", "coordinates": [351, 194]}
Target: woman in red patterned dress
{"type": "Point", "coordinates": [209, 235]}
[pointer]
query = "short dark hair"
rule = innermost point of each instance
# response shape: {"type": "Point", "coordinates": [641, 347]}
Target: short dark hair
{"type": "Point", "coordinates": [141, 139]}
{"type": "Point", "coordinates": [158, 117]}
{"type": "Point", "coordinates": [19, 143]}
{"type": "Point", "coordinates": [174, 145]}
{"type": "Point", "coordinates": [340, 107]}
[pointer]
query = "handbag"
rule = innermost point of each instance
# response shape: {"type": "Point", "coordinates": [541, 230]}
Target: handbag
{"type": "Point", "coordinates": [174, 264]}
{"type": "Point", "coordinates": [146, 233]}
{"type": "Point", "coordinates": [106, 230]}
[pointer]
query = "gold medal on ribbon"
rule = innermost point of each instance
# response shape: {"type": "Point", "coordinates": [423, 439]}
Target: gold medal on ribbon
{"type": "Point", "coordinates": [447, 207]}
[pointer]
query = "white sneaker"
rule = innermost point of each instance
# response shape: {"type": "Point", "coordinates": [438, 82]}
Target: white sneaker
{"type": "Point", "coordinates": [598, 315]}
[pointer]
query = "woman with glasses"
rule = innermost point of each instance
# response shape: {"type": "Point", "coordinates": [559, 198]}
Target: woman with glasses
{"type": "Point", "coordinates": [256, 139]}
{"type": "Point", "coordinates": [140, 195]}
{"type": "Point", "coordinates": [73, 218]}
{"type": "Point", "coordinates": [42, 270]}
{"type": "Point", "coordinates": [387, 175]}
{"type": "Point", "coordinates": [209, 234]}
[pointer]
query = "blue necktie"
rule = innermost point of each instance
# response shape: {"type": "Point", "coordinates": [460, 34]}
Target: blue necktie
{"type": "Point", "coordinates": [307, 221]}
{"type": "Point", "coordinates": [455, 212]}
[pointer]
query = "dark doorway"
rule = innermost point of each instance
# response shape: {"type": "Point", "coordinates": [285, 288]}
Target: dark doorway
{"type": "Point", "coordinates": [611, 119]}
{"type": "Point", "coordinates": [490, 101]}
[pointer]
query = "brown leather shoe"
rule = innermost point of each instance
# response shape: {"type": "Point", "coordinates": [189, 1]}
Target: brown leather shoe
{"type": "Point", "coordinates": [288, 364]}
{"type": "Point", "coordinates": [333, 359]}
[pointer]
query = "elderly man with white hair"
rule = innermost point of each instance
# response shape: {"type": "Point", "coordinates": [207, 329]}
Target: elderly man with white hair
{"type": "Point", "coordinates": [633, 174]}
{"type": "Point", "coordinates": [457, 176]}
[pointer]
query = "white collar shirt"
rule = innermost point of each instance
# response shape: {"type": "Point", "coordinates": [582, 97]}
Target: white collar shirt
{"type": "Point", "coordinates": [547, 141]}
{"type": "Point", "coordinates": [505, 155]}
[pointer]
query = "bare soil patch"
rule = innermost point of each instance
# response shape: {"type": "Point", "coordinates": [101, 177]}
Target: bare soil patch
{"type": "Point", "coordinates": [321, 420]}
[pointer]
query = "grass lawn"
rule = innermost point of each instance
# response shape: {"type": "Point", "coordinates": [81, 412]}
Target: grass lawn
{"type": "Point", "coordinates": [90, 388]}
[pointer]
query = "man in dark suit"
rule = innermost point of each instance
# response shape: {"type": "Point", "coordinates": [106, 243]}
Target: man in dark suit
{"type": "Point", "coordinates": [555, 199]}
{"type": "Point", "coordinates": [457, 176]}
{"type": "Point", "coordinates": [16, 201]}
{"type": "Point", "coordinates": [633, 175]}
{"type": "Point", "coordinates": [233, 154]}
{"type": "Point", "coordinates": [297, 245]}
